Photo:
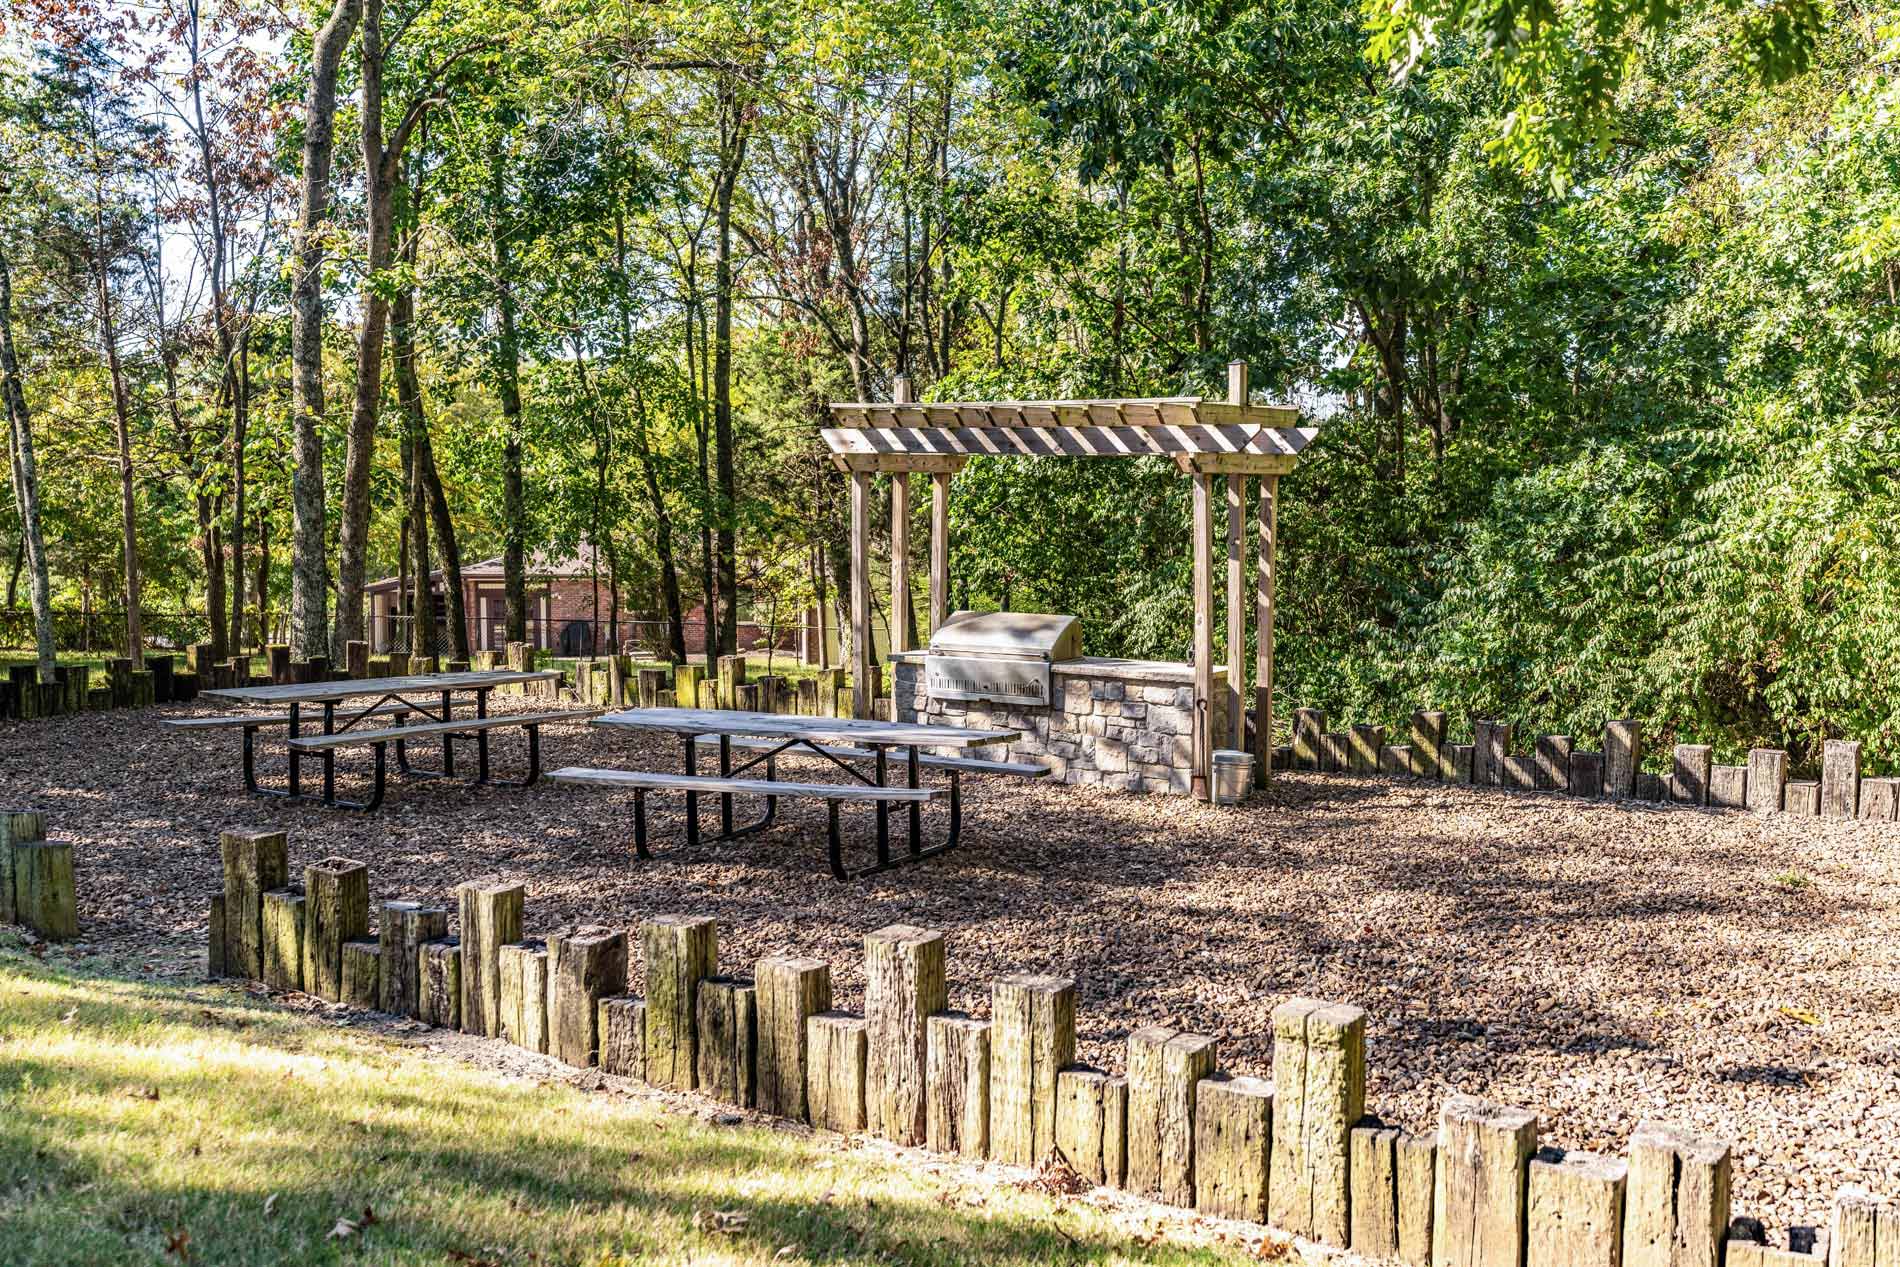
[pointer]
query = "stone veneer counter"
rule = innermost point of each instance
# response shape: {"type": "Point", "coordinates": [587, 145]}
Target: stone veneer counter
{"type": "Point", "coordinates": [1126, 724]}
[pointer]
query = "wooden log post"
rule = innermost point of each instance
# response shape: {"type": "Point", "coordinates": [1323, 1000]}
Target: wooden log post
{"type": "Point", "coordinates": [1689, 773]}
{"type": "Point", "coordinates": [490, 918]}
{"type": "Point", "coordinates": [1395, 760]}
{"type": "Point", "coordinates": [1186, 1060]}
{"type": "Point", "coordinates": [1319, 1077]}
{"type": "Point", "coordinates": [286, 915]}
{"type": "Point", "coordinates": [1520, 773]}
{"type": "Point", "coordinates": [1081, 1112]}
{"type": "Point", "coordinates": [650, 683]}
{"type": "Point", "coordinates": [1622, 757]}
{"type": "Point", "coordinates": [254, 862]}
{"type": "Point", "coordinates": [1586, 775]}
{"type": "Point", "coordinates": [1840, 778]}
{"type": "Point", "coordinates": [1416, 1161]}
{"type": "Point", "coordinates": [957, 1082]}
{"type": "Point", "coordinates": [1145, 1110]}
{"type": "Point", "coordinates": [1375, 1190]}
{"type": "Point", "coordinates": [356, 659]}
{"type": "Point", "coordinates": [904, 983]}
{"type": "Point", "coordinates": [1498, 738]}
{"type": "Point", "coordinates": [591, 965]}
{"type": "Point", "coordinates": [1767, 777]}
{"type": "Point", "coordinates": [732, 676]}
{"type": "Point", "coordinates": [616, 681]}
{"type": "Point", "coordinates": [1428, 744]}
{"type": "Point", "coordinates": [1480, 750]}
{"type": "Point", "coordinates": [40, 877]}
{"type": "Point", "coordinates": [216, 962]}
{"type": "Point", "coordinates": [1676, 1199]}
{"type": "Point", "coordinates": [806, 690]}
{"type": "Point", "coordinates": [362, 973]}
{"type": "Point", "coordinates": [1309, 729]}
{"type": "Point", "coordinates": [1575, 1210]}
{"type": "Point", "coordinates": [1363, 744]}
{"type": "Point", "coordinates": [440, 983]}
{"type": "Point", "coordinates": [1479, 1194]}
{"type": "Point", "coordinates": [727, 1023]}
{"type": "Point", "coordinates": [1803, 797]}
{"type": "Point", "coordinates": [338, 911]}
{"type": "Point", "coordinates": [1032, 1037]}
{"type": "Point", "coordinates": [789, 991]}
{"type": "Point", "coordinates": [403, 930]}
{"type": "Point", "coordinates": [522, 971]}
{"type": "Point", "coordinates": [680, 952]}
{"type": "Point", "coordinates": [1879, 800]}
{"type": "Point", "coordinates": [834, 1063]}
{"type": "Point", "coordinates": [622, 1024]}
{"type": "Point", "coordinates": [1859, 1229]}
{"type": "Point", "coordinates": [1728, 787]}
{"type": "Point", "coordinates": [1335, 752]}
{"type": "Point", "coordinates": [1233, 1127]}
{"type": "Point", "coordinates": [277, 658]}
{"type": "Point", "coordinates": [164, 672]}
{"type": "Point", "coordinates": [1553, 763]}
{"type": "Point", "coordinates": [1462, 757]}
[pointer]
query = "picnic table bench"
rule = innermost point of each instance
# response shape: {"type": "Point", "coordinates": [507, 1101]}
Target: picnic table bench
{"type": "Point", "coordinates": [841, 741]}
{"type": "Point", "coordinates": [431, 696]}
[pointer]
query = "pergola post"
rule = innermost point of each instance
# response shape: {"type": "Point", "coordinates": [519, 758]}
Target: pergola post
{"type": "Point", "coordinates": [1236, 611]}
{"type": "Point", "coordinates": [939, 549]}
{"type": "Point", "coordinates": [1263, 618]}
{"type": "Point", "coordinates": [1203, 631]}
{"type": "Point", "coordinates": [861, 593]}
{"type": "Point", "coordinates": [900, 560]}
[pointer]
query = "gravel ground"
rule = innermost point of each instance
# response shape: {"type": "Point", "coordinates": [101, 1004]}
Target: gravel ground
{"type": "Point", "coordinates": [1598, 963]}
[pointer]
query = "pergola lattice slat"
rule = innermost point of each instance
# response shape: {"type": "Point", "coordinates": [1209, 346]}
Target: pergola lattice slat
{"type": "Point", "coordinates": [1062, 440]}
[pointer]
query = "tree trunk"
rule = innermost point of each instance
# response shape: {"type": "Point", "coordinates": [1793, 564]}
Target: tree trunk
{"type": "Point", "coordinates": [309, 577]}
{"type": "Point", "coordinates": [26, 482]}
{"type": "Point", "coordinates": [122, 417]}
{"type": "Point", "coordinates": [360, 447]}
{"type": "Point", "coordinates": [402, 357]}
{"type": "Point", "coordinates": [732, 161]}
{"type": "Point", "coordinates": [263, 577]}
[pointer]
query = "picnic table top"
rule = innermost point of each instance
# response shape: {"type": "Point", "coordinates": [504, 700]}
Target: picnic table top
{"type": "Point", "coordinates": [415, 683]}
{"type": "Point", "coordinates": [719, 721]}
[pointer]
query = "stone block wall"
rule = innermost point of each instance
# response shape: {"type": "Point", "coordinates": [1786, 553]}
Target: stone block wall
{"type": "Point", "coordinates": [1125, 724]}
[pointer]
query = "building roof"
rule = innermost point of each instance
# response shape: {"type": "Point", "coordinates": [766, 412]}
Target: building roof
{"type": "Point", "coordinates": [538, 566]}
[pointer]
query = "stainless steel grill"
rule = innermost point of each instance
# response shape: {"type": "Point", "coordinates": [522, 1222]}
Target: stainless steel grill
{"type": "Point", "coordinates": [1000, 656]}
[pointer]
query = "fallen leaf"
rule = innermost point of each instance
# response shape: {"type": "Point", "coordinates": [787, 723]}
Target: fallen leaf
{"type": "Point", "coordinates": [178, 1244]}
{"type": "Point", "coordinates": [343, 1230]}
{"type": "Point", "coordinates": [270, 1204]}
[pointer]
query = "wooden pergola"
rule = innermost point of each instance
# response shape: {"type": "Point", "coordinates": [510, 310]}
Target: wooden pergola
{"type": "Point", "coordinates": [1231, 441]}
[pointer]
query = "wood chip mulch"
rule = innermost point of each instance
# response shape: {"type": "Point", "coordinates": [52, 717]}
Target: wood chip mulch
{"type": "Point", "coordinates": [1598, 963]}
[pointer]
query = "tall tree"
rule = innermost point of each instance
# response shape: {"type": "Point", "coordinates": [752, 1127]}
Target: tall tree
{"type": "Point", "coordinates": [309, 573]}
{"type": "Point", "coordinates": [25, 476]}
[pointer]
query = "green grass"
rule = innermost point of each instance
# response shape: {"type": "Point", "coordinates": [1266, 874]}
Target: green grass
{"type": "Point", "coordinates": [137, 1115]}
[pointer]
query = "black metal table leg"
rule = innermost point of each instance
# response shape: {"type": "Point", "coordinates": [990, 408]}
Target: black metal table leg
{"type": "Point", "coordinates": [448, 740]}
{"type": "Point", "coordinates": [481, 738]}
{"type": "Point", "coordinates": [725, 772]}
{"type": "Point", "coordinates": [838, 872]}
{"type": "Point", "coordinates": [916, 807]}
{"type": "Point", "coordinates": [296, 769]}
{"type": "Point", "coordinates": [640, 823]}
{"type": "Point", "coordinates": [883, 809]}
{"type": "Point", "coordinates": [329, 754]}
{"type": "Point", "coordinates": [692, 798]}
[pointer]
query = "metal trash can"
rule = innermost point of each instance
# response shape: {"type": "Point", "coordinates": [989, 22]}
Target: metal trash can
{"type": "Point", "coordinates": [1233, 776]}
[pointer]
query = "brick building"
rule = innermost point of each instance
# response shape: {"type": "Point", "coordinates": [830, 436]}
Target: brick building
{"type": "Point", "coordinates": [569, 614]}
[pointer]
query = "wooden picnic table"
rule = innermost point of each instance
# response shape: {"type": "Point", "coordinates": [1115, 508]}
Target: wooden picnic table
{"type": "Point", "coordinates": [771, 735]}
{"type": "Point", "coordinates": [383, 694]}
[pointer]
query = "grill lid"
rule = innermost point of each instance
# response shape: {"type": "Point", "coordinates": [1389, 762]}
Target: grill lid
{"type": "Point", "coordinates": [1027, 634]}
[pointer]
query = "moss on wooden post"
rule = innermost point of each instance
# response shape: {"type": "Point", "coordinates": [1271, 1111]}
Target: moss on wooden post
{"type": "Point", "coordinates": [680, 951]}
{"type": "Point", "coordinates": [441, 984]}
{"type": "Point", "coordinates": [727, 1023]}
{"type": "Point", "coordinates": [338, 911]}
{"type": "Point", "coordinates": [253, 863]}
{"type": "Point", "coordinates": [17, 826]}
{"type": "Point", "coordinates": [491, 918]}
{"type": "Point", "coordinates": [286, 925]}
{"type": "Point", "coordinates": [903, 984]}
{"type": "Point", "coordinates": [834, 1063]}
{"type": "Point", "coordinates": [362, 973]}
{"type": "Point", "coordinates": [1032, 1037]}
{"type": "Point", "coordinates": [405, 927]}
{"type": "Point", "coordinates": [591, 965]}
{"type": "Point", "coordinates": [521, 969]}
{"type": "Point", "coordinates": [789, 990]}
{"type": "Point", "coordinates": [1233, 1123]}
